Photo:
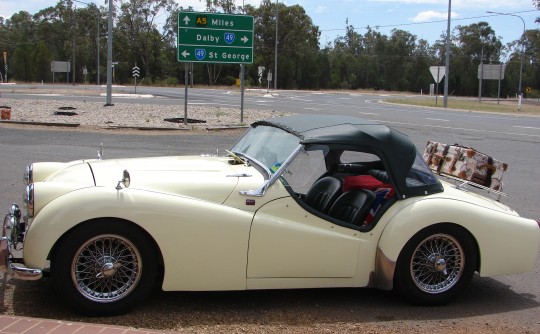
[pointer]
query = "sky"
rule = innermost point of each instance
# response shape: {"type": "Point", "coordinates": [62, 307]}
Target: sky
{"type": "Point", "coordinates": [427, 19]}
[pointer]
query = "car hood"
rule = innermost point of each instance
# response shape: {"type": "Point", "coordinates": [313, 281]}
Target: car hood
{"type": "Point", "coordinates": [207, 178]}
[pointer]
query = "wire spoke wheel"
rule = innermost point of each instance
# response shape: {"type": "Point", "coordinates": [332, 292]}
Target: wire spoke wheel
{"type": "Point", "coordinates": [106, 268]}
{"type": "Point", "coordinates": [437, 263]}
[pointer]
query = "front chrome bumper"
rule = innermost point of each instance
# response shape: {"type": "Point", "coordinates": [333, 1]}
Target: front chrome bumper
{"type": "Point", "coordinates": [12, 232]}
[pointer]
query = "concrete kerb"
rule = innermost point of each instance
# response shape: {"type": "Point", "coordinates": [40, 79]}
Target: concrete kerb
{"type": "Point", "coordinates": [114, 127]}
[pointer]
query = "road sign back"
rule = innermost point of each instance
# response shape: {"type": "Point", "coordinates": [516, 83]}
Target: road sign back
{"type": "Point", "coordinates": [437, 72]}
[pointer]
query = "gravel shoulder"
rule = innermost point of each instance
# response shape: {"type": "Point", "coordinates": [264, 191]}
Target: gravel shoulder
{"type": "Point", "coordinates": [96, 116]}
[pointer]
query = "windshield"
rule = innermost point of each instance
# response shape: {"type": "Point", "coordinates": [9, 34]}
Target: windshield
{"type": "Point", "coordinates": [267, 145]}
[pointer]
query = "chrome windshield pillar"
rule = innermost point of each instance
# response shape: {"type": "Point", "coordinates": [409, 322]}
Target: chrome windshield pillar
{"type": "Point", "coordinates": [259, 192]}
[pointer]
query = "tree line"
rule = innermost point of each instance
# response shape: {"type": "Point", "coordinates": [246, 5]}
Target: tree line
{"type": "Point", "coordinates": [145, 33]}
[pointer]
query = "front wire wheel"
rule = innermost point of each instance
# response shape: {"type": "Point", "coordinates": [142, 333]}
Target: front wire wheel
{"type": "Point", "coordinates": [436, 264]}
{"type": "Point", "coordinates": [106, 268]}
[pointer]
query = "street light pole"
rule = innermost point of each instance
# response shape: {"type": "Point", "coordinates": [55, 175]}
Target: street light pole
{"type": "Point", "coordinates": [522, 49]}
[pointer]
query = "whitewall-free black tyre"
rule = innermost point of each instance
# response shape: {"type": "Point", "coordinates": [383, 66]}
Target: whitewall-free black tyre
{"type": "Point", "coordinates": [104, 267]}
{"type": "Point", "coordinates": [435, 265]}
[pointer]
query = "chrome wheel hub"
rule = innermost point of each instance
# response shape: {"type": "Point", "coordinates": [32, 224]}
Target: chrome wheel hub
{"type": "Point", "coordinates": [437, 263]}
{"type": "Point", "coordinates": [106, 268]}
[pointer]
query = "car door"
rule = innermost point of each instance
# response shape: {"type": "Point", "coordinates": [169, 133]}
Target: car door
{"type": "Point", "coordinates": [287, 241]}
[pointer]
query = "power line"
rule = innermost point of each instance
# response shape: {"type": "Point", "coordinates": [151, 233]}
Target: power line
{"type": "Point", "coordinates": [426, 22]}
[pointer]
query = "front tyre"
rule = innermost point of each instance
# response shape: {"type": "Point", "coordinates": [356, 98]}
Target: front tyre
{"type": "Point", "coordinates": [104, 267]}
{"type": "Point", "coordinates": [435, 265]}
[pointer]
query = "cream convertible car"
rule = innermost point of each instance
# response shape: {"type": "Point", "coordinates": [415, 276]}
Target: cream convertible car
{"type": "Point", "coordinates": [299, 202]}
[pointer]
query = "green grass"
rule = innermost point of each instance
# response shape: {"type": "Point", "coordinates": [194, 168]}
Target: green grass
{"type": "Point", "coordinates": [490, 105]}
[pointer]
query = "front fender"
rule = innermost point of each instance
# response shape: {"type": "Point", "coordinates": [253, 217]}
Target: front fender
{"type": "Point", "coordinates": [199, 240]}
{"type": "Point", "coordinates": [492, 230]}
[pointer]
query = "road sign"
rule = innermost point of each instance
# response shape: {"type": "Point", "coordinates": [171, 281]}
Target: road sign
{"type": "Point", "coordinates": [437, 72]}
{"type": "Point", "coordinates": [215, 38]}
{"type": "Point", "coordinates": [136, 71]}
{"type": "Point", "coordinates": [491, 72]}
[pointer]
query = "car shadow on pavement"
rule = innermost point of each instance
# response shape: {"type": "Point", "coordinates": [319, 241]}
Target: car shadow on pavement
{"type": "Point", "coordinates": [173, 310]}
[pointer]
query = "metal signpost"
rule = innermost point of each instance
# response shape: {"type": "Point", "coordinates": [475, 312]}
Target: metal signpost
{"type": "Point", "coordinates": [214, 38]}
{"type": "Point", "coordinates": [438, 73]}
{"type": "Point", "coordinates": [491, 72]}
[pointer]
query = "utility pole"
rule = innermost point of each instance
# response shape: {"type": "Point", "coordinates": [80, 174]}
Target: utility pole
{"type": "Point", "coordinates": [73, 32]}
{"type": "Point", "coordinates": [109, 54]}
{"type": "Point", "coordinates": [276, 48]}
{"type": "Point", "coordinates": [447, 60]}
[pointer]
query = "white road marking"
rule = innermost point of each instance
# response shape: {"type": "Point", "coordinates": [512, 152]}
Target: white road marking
{"type": "Point", "coordinates": [438, 119]}
{"type": "Point", "coordinates": [312, 109]}
{"type": "Point", "coordinates": [526, 127]}
{"type": "Point", "coordinates": [463, 129]}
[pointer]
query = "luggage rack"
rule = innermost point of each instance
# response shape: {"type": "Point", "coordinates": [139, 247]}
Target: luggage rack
{"type": "Point", "coordinates": [463, 185]}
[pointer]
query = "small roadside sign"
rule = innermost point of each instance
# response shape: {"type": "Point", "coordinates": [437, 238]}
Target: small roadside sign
{"type": "Point", "coordinates": [136, 71]}
{"type": "Point", "coordinates": [437, 72]}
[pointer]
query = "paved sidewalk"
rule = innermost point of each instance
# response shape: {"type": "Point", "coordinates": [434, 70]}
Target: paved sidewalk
{"type": "Point", "coordinates": [19, 325]}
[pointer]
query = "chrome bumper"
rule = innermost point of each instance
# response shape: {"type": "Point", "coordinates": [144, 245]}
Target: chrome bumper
{"type": "Point", "coordinates": [12, 234]}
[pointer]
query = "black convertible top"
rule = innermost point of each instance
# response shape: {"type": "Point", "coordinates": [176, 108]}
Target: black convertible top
{"type": "Point", "coordinates": [396, 150]}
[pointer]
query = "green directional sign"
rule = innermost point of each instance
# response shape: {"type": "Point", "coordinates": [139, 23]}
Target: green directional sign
{"type": "Point", "coordinates": [215, 38]}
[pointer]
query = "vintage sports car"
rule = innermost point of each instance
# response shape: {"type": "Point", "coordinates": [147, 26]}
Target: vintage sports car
{"type": "Point", "coordinates": [298, 202]}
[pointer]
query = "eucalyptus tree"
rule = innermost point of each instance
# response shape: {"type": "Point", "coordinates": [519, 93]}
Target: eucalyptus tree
{"type": "Point", "coordinates": [398, 59]}
{"type": "Point", "coordinates": [424, 56]}
{"type": "Point", "coordinates": [140, 39]}
{"type": "Point", "coordinates": [473, 44]}
{"type": "Point", "coordinates": [298, 43]}
{"type": "Point", "coordinates": [20, 45]}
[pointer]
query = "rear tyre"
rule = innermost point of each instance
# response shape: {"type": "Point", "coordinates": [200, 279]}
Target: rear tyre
{"type": "Point", "coordinates": [104, 267]}
{"type": "Point", "coordinates": [435, 265]}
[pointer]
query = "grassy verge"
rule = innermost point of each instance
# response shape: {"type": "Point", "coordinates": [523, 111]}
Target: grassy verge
{"type": "Point", "coordinates": [504, 106]}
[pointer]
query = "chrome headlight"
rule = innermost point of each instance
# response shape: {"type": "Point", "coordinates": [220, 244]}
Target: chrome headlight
{"type": "Point", "coordinates": [29, 200]}
{"type": "Point", "coordinates": [29, 174]}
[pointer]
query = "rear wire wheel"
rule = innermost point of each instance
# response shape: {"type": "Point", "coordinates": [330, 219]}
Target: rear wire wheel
{"type": "Point", "coordinates": [435, 265]}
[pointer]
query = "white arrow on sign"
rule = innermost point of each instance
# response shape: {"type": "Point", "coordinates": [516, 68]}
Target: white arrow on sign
{"type": "Point", "coordinates": [136, 72]}
{"type": "Point", "coordinates": [186, 20]}
{"type": "Point", "coordinates": [185, 53]}
{"type": "Point", "coordinates": [244, 39]}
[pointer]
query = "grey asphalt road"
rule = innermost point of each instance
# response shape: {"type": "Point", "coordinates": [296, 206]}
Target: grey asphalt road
{"type": "Point", "coordinates": [513, 299]}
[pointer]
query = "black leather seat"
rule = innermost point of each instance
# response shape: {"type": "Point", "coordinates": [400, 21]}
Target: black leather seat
{"type": "Point", "coordinates": [323, 193]}
{"type": "Point", "coordinates": [353, 206]}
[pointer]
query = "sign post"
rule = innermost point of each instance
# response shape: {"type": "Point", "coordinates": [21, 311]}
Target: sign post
{"type": "Point", "coordinates": [136, 73]}
{"type": "Point", "coordinates": [438, 73]}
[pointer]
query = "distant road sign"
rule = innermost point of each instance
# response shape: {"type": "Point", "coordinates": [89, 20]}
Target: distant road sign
{"type": "Point", "coordinates": [437, 72]}
{"type": "Point", "coordinates": [491, 72]}
{"type": "Point", "coordinates": [215, 38]}
{"type": "Point", "coordinates": [136, 71]}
